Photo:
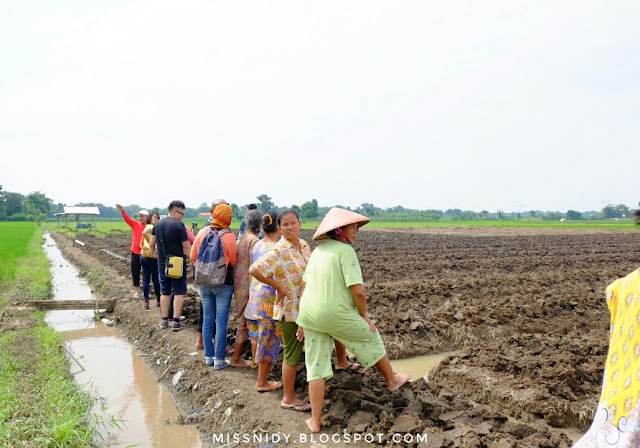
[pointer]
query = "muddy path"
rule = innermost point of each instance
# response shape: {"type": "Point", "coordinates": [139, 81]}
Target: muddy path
{"type": "Point", "coordinates": [525, 314]}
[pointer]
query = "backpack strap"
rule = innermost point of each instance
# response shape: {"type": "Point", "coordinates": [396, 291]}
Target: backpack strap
{"type": "Point", "coordinates": [204, 242]}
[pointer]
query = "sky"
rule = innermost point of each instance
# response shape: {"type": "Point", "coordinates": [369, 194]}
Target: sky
{"type": "Point", "coordinates": [511, 105]}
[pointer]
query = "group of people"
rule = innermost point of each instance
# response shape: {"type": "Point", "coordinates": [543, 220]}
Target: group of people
{"type": "Point", "coordinates": [153, 241]}
{"type": "Point", "coordinates": [284, 295]}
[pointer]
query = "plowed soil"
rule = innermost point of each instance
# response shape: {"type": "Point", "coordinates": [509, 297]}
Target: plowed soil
{"type": "Point", "coordinates": [524, 311]}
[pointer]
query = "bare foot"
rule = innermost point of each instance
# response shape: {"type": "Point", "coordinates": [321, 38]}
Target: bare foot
{"type": "Point", "coordinates": [270, 386]}
{"type": "Point", "coordinates": [313, 427]}
{"type": "Point", "coordinates": [240, 363]}
{"type": "Point", "coordinates": [399, 380]}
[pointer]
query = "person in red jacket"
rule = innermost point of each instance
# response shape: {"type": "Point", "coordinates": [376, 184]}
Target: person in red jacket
{"type": "Point", "coordinates": [137, 227]}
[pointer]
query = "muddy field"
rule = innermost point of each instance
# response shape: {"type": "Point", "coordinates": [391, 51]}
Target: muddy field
{"type": "Point", "coordinates": [524, 311]}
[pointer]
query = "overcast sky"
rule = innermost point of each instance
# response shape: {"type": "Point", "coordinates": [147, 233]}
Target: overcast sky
{"type": "Point", "coordinates": [428, 104]}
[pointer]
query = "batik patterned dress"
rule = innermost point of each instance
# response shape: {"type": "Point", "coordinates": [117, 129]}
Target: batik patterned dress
{"type": "Point", "coordinates": [241, 283]}
{"type": "Point", "coordinates": [617, 420]}
{"type": "Point", "coordinates": [260, 308]}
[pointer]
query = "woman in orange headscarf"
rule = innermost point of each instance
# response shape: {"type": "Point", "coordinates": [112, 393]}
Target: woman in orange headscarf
{"type": "Point", "coordinates": [216, 300]}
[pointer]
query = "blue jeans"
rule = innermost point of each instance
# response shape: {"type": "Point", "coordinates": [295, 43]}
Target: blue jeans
{"type": "Point", "coordinates": [149, 272]}
{"type": "Point", "coordinates": [216, 302]}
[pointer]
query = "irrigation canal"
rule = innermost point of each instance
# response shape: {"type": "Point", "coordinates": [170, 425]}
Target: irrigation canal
{"type": "Point", "coordinates": [105, 364]}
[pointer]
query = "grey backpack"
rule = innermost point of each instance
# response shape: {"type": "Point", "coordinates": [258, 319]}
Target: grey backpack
{"type": "Point", "coordinates": [211, 268]}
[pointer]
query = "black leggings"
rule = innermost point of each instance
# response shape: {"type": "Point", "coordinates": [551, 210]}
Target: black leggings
{"type": "Point", "coordinates": [200, 318]}
{"type": "Point", "coordinates": [135, 269]}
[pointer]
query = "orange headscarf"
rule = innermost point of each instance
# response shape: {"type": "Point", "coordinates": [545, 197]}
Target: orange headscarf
{"type": "Point", "coordinates": [221, 216]}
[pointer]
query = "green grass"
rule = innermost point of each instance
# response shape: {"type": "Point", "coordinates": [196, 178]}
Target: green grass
{"type": "Point", "coordinates": [98, 279]}
{"type": "Point", "coordinates": [527, 223]}
{"type": "Point", "coordinates": [31, 276]}
{"type": "Point", "coordinates": [14, 239]}
{"type": "Point", "coordinates": [25, 266]}
{"type": "Point", "coordinates": [109, 226]}
{"type": "Point", "coordinates": [40, 405]}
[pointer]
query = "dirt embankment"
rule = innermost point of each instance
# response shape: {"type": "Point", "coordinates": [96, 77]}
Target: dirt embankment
{"type": "Point", "coordinates": [525, 312]}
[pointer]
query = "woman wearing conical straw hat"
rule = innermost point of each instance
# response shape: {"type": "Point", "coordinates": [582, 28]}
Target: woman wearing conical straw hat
{"type": "Point", "coordinates": [334, 306]}
{"type": "Point", "coordinates": [617, 420]}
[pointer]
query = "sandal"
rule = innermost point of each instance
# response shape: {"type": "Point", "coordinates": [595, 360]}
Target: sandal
{"type": "Point", "coordinates": [302, 407]}
{"type": "Point", "coordinates": [352, 367]}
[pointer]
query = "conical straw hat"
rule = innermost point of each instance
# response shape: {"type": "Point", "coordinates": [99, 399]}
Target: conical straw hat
{"type": "Point", "coordinates": [338, 217]}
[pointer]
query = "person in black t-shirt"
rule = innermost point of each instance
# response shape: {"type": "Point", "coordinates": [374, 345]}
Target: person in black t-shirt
{"type": "Point", "coordinates": [170, 236]}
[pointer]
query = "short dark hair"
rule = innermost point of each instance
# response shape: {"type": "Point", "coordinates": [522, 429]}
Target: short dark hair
{"type": "Point", "coordinates": [252, 207]}
{"type": "Point", "coordinates": [150, 216]}
{"type": "Point", "coordinates": [270, 222]}
{"type": "Point", "coordinates": [176, 204]}
{"type": "Point", "coordinates": [288, 211]}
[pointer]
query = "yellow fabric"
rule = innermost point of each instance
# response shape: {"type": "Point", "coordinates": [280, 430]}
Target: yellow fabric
{"type": "Point", "coordinates": [146, 249]}
{"type": "Point", "coordinates": [174, 267]}
{"type": "Point", "coordinates": [221, 216]}
{"type": "Point", "coordinates": [621, 386]}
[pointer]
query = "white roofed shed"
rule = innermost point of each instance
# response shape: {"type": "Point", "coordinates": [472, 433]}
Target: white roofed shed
{"type": "Point", "coordinates": [70, 210]}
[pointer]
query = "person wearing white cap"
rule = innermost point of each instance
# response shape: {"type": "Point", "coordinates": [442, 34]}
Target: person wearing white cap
{"type": "Point", "coordinates": [334, 306]}
{"type": "Point", "coordinates": [137, 227]}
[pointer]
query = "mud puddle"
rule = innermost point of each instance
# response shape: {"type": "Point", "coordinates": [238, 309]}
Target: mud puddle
{"type": "Point", "coordinates": [419, 366]}
{"type": "Point", "coordinates": [104, 363]}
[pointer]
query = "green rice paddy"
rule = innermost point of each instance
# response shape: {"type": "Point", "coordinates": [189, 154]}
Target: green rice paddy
{"type": "Point", "coordinates": [40, 405]}
{"type": "Point", "coordinates": [14, 240]}
{"type": "Point", "coordinates": [107, 226]}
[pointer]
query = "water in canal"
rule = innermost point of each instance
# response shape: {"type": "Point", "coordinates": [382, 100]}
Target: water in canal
{"type": "Point", "coordinates": [104, 363]}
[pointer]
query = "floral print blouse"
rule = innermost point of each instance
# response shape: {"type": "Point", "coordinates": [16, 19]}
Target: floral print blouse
{"type": "Point", "coordinates": [286, 263]}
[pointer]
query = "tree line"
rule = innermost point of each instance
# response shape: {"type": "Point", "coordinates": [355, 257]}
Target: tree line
{"type": "Point", "coordinates": [36, 206]}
